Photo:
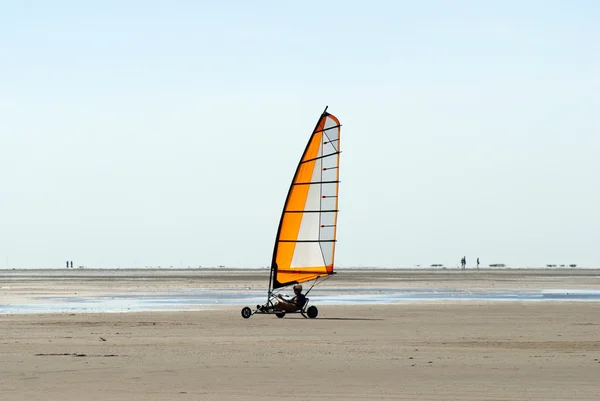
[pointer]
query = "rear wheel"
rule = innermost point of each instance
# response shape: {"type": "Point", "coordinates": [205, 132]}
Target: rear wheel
{"type": "Point", "coordinates": [280, 314]}
{"type": "Point", "coordinates": [246, 312]}
{"type": "Point", "coordinates": [312, 312]}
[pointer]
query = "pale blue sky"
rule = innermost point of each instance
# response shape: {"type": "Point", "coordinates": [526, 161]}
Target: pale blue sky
{"type": "Point", "coordinates": [137, 133]}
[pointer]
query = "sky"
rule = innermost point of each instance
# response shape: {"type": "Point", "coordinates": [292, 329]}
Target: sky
{"type": "Point", "coordinates": [166, 133]}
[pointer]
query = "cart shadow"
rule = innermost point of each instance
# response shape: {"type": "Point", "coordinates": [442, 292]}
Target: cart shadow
{"type": "Point", "coordinates": [347, 318]}
{"type": "Point", "coordinates": [340, 318]}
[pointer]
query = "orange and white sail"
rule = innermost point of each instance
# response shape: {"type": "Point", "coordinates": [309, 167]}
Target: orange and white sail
{"type": "Point", "coordinates": [306, 238]}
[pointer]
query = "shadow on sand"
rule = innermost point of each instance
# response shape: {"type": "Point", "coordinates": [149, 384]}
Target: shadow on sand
{"type": "Point", "coordinates": [339, 318]}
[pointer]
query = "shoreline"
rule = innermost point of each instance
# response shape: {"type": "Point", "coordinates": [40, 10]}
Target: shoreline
{"type": "Point", "coordinates": [97, 291]}
{"type": "Point", "coordinates": [337, 269]}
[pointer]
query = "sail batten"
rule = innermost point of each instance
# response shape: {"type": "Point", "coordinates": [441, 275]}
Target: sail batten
{"type": "Point", "coordinates": [311, 211]}
{"type": "Point", "coordinates": [305, 245]}
{"type": "Point", "coordinates": [316, 182]}
{"type": "Point", "coordinates": [307, 240]}
{"type": "Point", "coordinates": [321, 157]}
{"type": "Point", "coordinates": [327, 129]}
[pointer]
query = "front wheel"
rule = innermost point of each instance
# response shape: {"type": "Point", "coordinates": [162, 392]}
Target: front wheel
{"type": "Point", "coordinates": [312, 312]}
{"type": "Point", "coordinates": [246, 312]}
{"type": "Point", "coordinates": [280, 314]}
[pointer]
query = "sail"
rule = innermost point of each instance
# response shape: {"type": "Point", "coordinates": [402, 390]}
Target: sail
{"type": "Point", "coordinates": [305, 244]}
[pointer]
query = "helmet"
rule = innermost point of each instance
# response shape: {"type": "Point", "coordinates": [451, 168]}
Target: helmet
{"type": "Point", "coordinates": [298, 287]}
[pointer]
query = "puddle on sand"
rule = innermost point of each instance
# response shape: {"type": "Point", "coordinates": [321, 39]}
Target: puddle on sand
{"type": "Point", "coordinates": [204, 299]}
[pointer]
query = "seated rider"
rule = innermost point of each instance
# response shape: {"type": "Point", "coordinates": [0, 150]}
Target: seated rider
{"type": "Point", "coordinates": [289, 305]}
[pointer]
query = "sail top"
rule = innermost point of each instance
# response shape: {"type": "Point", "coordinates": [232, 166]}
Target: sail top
{"type": "Point", "coordinates": [305, 245]}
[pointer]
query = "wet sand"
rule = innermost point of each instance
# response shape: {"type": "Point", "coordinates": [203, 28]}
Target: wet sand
{"type": "Point", "coordinates": [17, 285]}
{"type": "Point", "coordinates": [428, 351]}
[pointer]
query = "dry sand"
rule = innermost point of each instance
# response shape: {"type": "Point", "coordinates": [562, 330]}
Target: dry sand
{"type": "Point", "coordinates": [428, 351]}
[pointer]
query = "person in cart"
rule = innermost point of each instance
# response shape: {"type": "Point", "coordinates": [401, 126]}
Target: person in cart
{"type": "Point", "coordinates": [288, 304]}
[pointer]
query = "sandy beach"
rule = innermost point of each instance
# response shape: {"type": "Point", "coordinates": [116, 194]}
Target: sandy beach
{"type": "Point", "coordinates": [402, 351]}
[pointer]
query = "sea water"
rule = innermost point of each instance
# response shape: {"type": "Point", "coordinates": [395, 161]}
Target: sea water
{"type": "Point", "coordinates": [209, 298]}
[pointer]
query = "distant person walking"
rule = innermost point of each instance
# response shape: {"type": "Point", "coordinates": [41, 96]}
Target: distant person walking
{"type": "Point", "coordinates": [67, 264]}
{"type": "Point", "coordinates": [71, 264]}
{"type": "Point", "coordinates": [478, 262]}
{"type": "Point", "coordinates": [463, 262]}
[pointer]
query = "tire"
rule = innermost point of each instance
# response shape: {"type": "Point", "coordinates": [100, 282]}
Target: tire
{"type": "Point", "coordinates": [280, 314]}
{"type": "Point", "coordinates": [246, 312]}
{"type": "Point", "coordinates": [312, 312]}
